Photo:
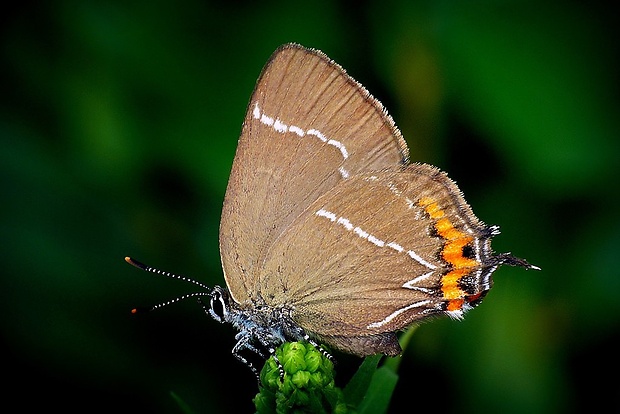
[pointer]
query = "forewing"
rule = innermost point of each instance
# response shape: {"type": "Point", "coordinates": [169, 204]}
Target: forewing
{"type": "Point", "coordinates": [308, 127]}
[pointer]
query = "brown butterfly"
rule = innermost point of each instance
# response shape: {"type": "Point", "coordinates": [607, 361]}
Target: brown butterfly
{"type": "Point", "coordinates": [328, 233]}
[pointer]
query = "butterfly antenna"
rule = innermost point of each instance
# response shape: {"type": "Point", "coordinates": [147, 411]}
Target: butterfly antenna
{"type": "Point", "coordinates": [150, 269]}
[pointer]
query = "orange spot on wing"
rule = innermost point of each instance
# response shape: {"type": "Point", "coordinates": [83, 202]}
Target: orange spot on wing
{"type": "Point", "coordinates": [455, 305]}
{"type": "Point", "coordinates": [452, 253]}
{"type": "Point", "coordinates": [431, 207]}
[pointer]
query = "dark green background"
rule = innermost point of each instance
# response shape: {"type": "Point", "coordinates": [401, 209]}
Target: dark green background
{"type": "Point", "coordinates": [118, 126]}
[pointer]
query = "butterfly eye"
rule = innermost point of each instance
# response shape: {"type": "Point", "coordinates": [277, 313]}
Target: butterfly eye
{"type": "Point", "coordinates": [218, 309]}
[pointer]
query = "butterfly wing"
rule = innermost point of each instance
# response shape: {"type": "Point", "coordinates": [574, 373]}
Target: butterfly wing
{"type": "Point", "coordinates": [379, 251]}
{"type": "Point", "coordinates": [308, 127]}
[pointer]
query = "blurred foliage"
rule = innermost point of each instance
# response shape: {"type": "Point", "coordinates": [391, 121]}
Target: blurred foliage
{"type": "Point", "coordinates": [118, 126]}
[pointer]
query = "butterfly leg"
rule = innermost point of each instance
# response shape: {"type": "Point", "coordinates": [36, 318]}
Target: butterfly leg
{"type": "Point", "coordinates": [247, 343]}
{"type": "Point", "coordinates": [300, 334]}
{"type": "Point", "coordinates": [244, 343]}
{"type": "Point", "coordinates": [268, 342]}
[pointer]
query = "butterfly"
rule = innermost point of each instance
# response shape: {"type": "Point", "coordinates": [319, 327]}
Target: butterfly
{"type": "Point", "coordinates": [328, 233]}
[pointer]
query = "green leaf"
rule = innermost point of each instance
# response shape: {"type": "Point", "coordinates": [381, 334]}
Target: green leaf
{"type": "Point", "coordinates": [358, 384]}
{"type": "Point", "coordinates": [379, 394]}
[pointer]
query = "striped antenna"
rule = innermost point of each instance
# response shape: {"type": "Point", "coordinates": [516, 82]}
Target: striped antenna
{"type": "Point", "coordinates": [150, 269]}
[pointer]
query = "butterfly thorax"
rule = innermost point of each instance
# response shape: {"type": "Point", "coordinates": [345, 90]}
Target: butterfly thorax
{"type": "Point", "coordinates": [259, 325]}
